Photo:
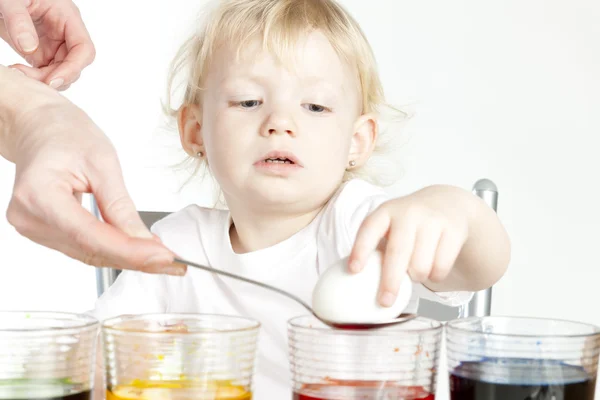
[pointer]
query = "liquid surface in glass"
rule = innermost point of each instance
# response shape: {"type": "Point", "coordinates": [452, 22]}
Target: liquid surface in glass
{"type": "Point", "coordinates": [178, 390]}
{"type": "Point", "coordinates": [363, 390]}
{"type": "Point", "coordinates": [520, 379]}
{"type": "Point", "coordinates": [42, 389]}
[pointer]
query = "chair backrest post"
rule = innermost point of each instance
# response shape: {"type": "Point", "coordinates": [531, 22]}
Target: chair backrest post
{"type": "Point", "coordinates": [481, 303]}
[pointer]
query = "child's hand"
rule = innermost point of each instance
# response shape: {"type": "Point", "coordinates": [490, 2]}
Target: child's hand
{"type": "Point", "coordinates": [421, 234]}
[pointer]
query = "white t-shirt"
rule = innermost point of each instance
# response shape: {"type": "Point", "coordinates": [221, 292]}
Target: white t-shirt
{"type": "Point", "coordinates": [202, 235]}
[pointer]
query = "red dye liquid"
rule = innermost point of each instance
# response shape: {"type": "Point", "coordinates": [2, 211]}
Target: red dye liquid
{"type": "Point", "coordinates": [361, 390]}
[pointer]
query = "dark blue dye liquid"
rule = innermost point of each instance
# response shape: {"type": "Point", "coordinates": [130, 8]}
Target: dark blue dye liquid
{"type": "Point", "coordinates": [518, 379]}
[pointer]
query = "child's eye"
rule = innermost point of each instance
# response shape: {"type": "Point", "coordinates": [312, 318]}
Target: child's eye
{"type": "Point", "coordinates": [246, 103]}
{"type": "Point", "coordinates": [316, 108]}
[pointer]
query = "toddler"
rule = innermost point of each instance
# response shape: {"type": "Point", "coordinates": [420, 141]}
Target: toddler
{"type": "Point", "coordinates": [281, 106]}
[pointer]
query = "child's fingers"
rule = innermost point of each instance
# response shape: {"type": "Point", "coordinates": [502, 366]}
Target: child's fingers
{"type": "Point", "coordinates": [370, 233]}
{"type": "Point", "coordinates": [397, 255]}
{"type": "Point", "coordinates": [448, 249]}
{"type": "Point", "coordinates": [427, 239]}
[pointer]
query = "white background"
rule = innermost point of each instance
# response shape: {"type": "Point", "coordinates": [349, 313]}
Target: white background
{"type": "Point", "coordinates": [504, 90]}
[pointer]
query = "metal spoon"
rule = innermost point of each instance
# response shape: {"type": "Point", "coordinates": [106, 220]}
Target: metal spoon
{"type": "Point", "coordinates": [363, 325]}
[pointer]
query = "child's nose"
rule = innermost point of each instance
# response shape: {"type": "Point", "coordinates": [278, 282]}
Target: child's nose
{"type": "Point", "coordinates": [279, 123]}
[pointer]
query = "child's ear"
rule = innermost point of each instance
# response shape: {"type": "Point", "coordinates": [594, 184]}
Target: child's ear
{"type": "Point", "coordinates": [363, 140]}
{"type": "Point", "coordinates": [189, 121]}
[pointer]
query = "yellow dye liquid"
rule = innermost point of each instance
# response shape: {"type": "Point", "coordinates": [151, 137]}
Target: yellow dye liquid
{"type": "Point", "coordinates": [178, 390]}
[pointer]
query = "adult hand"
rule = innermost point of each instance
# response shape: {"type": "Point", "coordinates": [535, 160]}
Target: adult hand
{"type": "Point", "coordinates": [51, 36]}
{"type": "Point", "coordinates": [59, 154]}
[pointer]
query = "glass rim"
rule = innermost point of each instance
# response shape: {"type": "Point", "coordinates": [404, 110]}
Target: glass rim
{"type": "Point", "coordinates": [87, 321]}
{"type": "Point", "coordinates": [108, 325]}
{"type": "Point", "coordinates": [453, 325]}
{"type": "Point", "coordinates": [294, 324]}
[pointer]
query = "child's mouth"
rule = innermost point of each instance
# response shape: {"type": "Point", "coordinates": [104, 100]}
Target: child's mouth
{"type": "Point", "coordinates": [278, 165]}
{"type": "Point", "coordinates": [279, 160]}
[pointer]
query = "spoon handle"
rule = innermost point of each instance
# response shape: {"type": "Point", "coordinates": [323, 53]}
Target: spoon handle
{"type": "Point", "coordinates": [241, 278]}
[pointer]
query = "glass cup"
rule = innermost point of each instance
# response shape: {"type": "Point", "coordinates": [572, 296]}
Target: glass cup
{"type": "Point", "coordinates": [47, 355]}
{"type": "Point", "coordinates": [522, 358]}
{"type": "Point", "coordinates": [397, 362]}
{"type": "Point", "coordinates": [179, 356]}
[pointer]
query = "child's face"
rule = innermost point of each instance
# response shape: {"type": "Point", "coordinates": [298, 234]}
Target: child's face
{"type": "Point", "coordinates": [309, 113]}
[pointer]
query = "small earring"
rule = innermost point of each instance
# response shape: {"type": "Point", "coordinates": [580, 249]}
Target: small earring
{"type": "Point", "coordinates": [352, 163]}
{"type": "Point", "coordinates": [200, 154]}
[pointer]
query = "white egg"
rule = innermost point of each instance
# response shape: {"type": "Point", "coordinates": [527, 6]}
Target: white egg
{"type": "Point", "coordinates": [345, 298]}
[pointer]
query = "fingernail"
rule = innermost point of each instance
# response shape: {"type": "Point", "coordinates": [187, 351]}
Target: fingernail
{"type": "Point", "coordinates": [27, 42]}
{"type": "Point", "coordinates": [18, 70]}
{"type": "Point", "coordinates": [156, 238]}
{"type": "Point", "coordinates": [387, 299]}
{"type": "Point", "coordinates": [177, 271]}
{"type": "Point", "coordinates": [159, 260]}
{"type": "Point", "coordinates": [354, 266]}
{"type": "Point", "coordinates": [56, 83]}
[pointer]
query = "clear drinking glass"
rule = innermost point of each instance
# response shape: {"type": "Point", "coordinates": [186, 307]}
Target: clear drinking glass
{"type": "Point", "coordinates": [47, 355]}
{"type": "Point", "coordinates": [397, 362]}
{"type": "Point", "coordinates": [180, 356]}
{"type": "Point", "coordinates": [492, 358]}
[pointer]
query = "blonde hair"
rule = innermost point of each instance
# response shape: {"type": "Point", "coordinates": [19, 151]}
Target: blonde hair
{"type": "Point", "coordinates": [281, 24]}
